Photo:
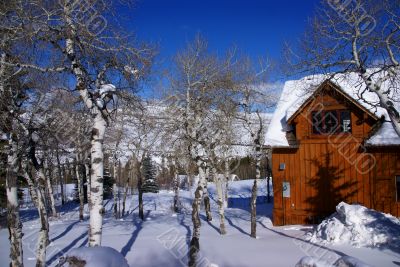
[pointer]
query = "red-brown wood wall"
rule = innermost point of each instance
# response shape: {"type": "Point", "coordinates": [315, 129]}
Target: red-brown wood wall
{"type": "Point", "coordinates": [324, 170]}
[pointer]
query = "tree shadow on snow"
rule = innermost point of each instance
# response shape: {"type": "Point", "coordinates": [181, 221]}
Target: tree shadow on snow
{"type": "Point", "coordinates": [131, 241]}
{"type": "Point", "coordinates": [69, 228]}
{"type": "Point", "coordinates": [235, 226]}
{"type": "Point", "coordinates": [383, 225]}
{"type": "Point", "coordinates": [312, 247]}
{"type": "Point", "coordinates": [204, 218]}
{"type": "Point", "coordinates": [61, 252]}
{"type": "Point", "coordinates": [181, 219]}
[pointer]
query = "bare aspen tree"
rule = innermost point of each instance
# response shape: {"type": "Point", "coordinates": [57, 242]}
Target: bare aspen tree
{"type": "Point", "coordinates": [14, 224]}
{"type": "Point", "coordinates": [355, 37]}
{"type": "Point", "coordinates": [254, 92]}
{"type": "Point", "coordinates": [126, 186]}
{"type": "Point", "coordinates": [141, 142]}
{"type": "Point", "coordinates": [40, 180]}
{"type": "Point", "coordinates": [176, 182]}
{"type": "Point", "coordinates": [199, 78]}
{"type": "Point", "coordinates": [79, 178]}
{"type": "Point", "coordinates": [60, 174]}
{"type": "Point", "coordinates": [88, 56]}
{"type": "Point", "coordinates": [49, 187]}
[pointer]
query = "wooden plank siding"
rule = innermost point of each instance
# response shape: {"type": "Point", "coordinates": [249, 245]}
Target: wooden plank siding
{"type": "Point", "coordinates": [324, 170]}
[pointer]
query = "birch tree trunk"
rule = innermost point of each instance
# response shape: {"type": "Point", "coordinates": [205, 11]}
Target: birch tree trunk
{"type": "Point", "coordinates": [60, 176]}
{"type": "Point", "coordinates": [219, 184]}
{"type": "Point", "coordinates": [80, 185]}
{"type": "Point", "coordinates": [88, 186]}
{"type": "Point", "coordinates": [194, 246]}
{"type": "Point", "coordinates": [96, 181]}
{"type": "Point", "coordinates": [126, 191]}
{"type": "Point", "coordinates": [31, 185]}
{"type": "Point", "coordinates": [43, 239]}
{"type": "Point", "coordinates": [139, 187]}
{"type": "Point", "coordinates": [13, 219]}
{"type": "Point", "coordinates": [227, 174]}
{"type": "Point", "coordinates": [268, 178]}
{"type": "Point", "coordinates": [176, 187]}
{"type": "Point", "coordinates": [206, 197]}
{"type": "Point", "coordinates": [254, 191]}
{"type": "Point", "coordinates": [115, 190]}
{"type": "Point", "coordinates": [49, 187]}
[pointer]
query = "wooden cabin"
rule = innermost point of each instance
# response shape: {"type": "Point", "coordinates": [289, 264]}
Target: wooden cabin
{"type": "Point", "coordinates": [328, 147]}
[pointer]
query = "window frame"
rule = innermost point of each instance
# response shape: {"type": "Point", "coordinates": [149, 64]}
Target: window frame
{"type": "Point", "coordinates": [322, 114]}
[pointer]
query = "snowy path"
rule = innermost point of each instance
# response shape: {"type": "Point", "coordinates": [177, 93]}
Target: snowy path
{"type": "Point", "coordinates": [161, 240]}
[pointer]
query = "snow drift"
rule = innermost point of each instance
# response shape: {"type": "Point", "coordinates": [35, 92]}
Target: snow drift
{"type": "Point", "coordinates": [345, 261]}
{"type": "Point", "coordinates": [360, 227]}
{"type": "Point", "coordinates": [93, 257]}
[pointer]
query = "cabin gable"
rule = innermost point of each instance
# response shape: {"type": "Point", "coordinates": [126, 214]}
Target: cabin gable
{"type": "Point", "coordinates": [327, 99]}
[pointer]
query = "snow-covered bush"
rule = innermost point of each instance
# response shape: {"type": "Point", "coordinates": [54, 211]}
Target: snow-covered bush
{"type": "Point", "coordinates": [345, 261]}
{"type": "Point", "coordinates": [93, 257]}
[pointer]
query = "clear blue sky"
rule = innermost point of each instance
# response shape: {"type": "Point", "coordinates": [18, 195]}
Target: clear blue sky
{"type": "Point", "coordinates": [257, 27]}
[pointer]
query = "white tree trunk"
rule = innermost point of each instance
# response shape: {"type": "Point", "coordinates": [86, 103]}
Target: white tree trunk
{"type": "Point", "coordinates": [227, 177]}
{"type": "Point", "coordinates": [13, 219]}
{"type": "Point", "coordinates": [49, 187]}
{"type": "Point", "coordinates": [254, 192]}
{"type": "Point", "coordinates": [194, 246]}
{"type": "Point", "coordinates": [31, 185]}
{"type": "Point", "coordinates": [88, 185]}
{"type": "Point", "coordinates": [176, 186]}
{"type": "Point", "coordinates": [115, 189]}
{"type": "Point", "coordinates": [385, 103]}
{"type": "Point", "coordinates": [126, 190]}
{"type": "Point", "coordinates": [80, 186]}
{"type": "Point", "coordinates": [124, 197]}
{"type": "Point", "coordinates": [43, 239]}
{"type": "Point", "coordinates": [206, 197]}
{"type": "Point", "coordinates": [96, 186]}
{"type": "Point", "coordinates": [60, 176]}
{"type": "Point", "coordinates": [219, 184]}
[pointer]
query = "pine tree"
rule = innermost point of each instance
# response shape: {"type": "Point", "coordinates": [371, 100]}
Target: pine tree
{"type": "Point", "coordinates": [149, 173]}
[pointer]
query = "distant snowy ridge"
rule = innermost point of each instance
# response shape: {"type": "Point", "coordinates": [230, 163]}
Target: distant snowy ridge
{"type": "Point", "coordinates": [360, 227]}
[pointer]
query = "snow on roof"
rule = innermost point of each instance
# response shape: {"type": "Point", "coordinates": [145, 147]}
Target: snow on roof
{"type": "Point", "coordinates": [296, 92]}
{"type": "Point", "coordinates": [386, 135]}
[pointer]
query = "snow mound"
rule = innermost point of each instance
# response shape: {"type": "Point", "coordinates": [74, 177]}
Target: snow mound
{"type": "Point", "coordinates": [345, 261]}
{"type": "Point", "coordinates": [94, 257]}
{"type": "Point", "coordinates": [358, 226]}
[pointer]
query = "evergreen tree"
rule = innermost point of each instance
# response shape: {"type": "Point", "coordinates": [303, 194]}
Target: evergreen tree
{"type": "Point", "coordinates": [149, 173]}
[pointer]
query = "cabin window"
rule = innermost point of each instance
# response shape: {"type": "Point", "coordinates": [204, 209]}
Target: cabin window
{"type": "Point", "coordinates": [345, 121]}
{"type": "Point", "coordinates": [398, 188]}
{"type": "Point", "coordinates": [331, 122]}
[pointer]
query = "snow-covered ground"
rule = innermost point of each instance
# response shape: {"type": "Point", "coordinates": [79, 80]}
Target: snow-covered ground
{"type": "Point", "coordinates": [162, 239]}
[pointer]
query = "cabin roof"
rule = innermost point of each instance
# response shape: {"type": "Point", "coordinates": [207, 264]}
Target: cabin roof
{"type": "Point", "coordinates": [297, 93]}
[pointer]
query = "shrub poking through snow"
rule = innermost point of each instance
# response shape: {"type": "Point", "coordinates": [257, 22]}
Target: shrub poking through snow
{"type": "Point", "coordinates": [93, 257]}
{"type": "Point", "coordinates": [360, 227]}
